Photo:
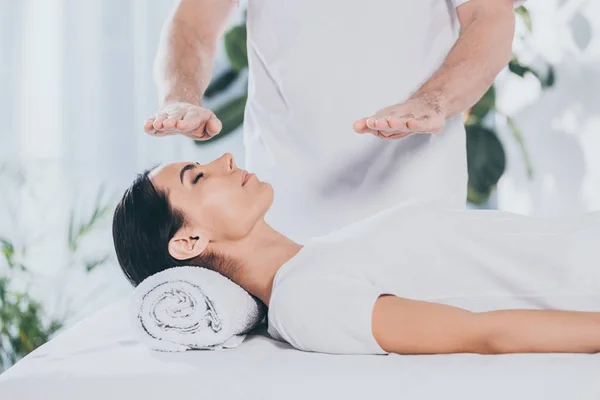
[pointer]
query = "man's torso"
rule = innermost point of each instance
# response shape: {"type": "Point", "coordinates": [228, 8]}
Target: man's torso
{"type": "Point", "coordinates": [316, 66]}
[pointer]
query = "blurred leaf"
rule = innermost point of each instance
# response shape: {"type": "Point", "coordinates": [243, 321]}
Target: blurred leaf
{"type": "Point", "coordinates": [523, 12]}
{"type": "Point", "coordinates": [519, 69]}
{"type": "Point", "coordinates": [478, 198]}
{"type": "Point", "coordinates": [8, 250]}
{"type": "Point", "coordinates": [221, 83]}
{"type": "Point", "coordinates": [550, 77]}
{"type": "Point", "coordinates": [71, 233]}
{"type": "Point", "coordinates": [99, 212]}
{"type": "Point", "coordinates": [518, 135]}
{"type": "Point", "coordinates": [235, 47]}
{"type": "Point", "coordinates": [23, 321]}
{"type": "Point", "coordinates": [54, 326]}
{"type": "Point", "coordinates": [91, 265]}
{"type": "Point", "coordinates": [231, 115]}
{"type": "Point", "coordinates": [21, 327]}
{"type": "Point", "coordinates": [3, 284]}
{"type": "Point", "coordinates": [483, 106]}
{"type": "Point", "coordinates": [486, 162]}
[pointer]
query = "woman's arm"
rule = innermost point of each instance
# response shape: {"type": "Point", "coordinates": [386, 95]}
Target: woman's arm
{"type": "Point", "coordinates": [416, 327]}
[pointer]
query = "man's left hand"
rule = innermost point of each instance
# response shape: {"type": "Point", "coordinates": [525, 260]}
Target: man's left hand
{"type": "Point", "coordinates": [416, 115]}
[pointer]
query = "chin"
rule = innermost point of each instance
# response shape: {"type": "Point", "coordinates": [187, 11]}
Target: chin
{"type": "Point", "coordinates": [266, 197]}
{"type": "Point", "coordinates": [267, 186]}
{"type": "Point", "coordinates": [269, 193]}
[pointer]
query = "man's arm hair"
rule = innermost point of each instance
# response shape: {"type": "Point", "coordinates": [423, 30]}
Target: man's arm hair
{"type": "Point", "coordinates": [482, 50]}
{"type": "Point", "coordinates": [183, 65]}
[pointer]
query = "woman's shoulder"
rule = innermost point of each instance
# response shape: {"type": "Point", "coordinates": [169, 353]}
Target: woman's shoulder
{"type": "Point", "coordinates": [295, 299]}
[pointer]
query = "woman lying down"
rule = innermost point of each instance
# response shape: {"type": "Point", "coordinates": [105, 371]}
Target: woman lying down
{"type": "Point", "coordinates": [410, 280]}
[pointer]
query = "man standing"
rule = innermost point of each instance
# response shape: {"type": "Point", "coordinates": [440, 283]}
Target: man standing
{"type": "Point", "coordinates": [353, 106]}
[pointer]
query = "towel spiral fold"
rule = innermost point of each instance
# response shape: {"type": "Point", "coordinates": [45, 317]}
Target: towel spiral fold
{"type": "Point", "coordinates": [186, 308]}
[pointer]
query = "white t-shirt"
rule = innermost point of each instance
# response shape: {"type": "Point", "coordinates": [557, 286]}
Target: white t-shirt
{"type": "Point", "coordinates": [323, 298]}
{"type": "Point", "coordinates": [316, 66]}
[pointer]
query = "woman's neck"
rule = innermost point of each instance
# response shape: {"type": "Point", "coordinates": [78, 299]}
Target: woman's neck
{"type": "Point", "coordinates": [259, 255]}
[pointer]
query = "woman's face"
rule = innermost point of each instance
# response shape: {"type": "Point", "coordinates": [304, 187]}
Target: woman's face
{"type": "Point", "coordinates": [218, 199]}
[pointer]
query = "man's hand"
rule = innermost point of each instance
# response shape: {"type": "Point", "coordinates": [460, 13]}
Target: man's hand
{"type": "Point", "coordinates": [183, 68]}
{"type": "Point", "coordinates": [187, 119]}
{"type": "Point", "coordinates": [482, 50]}
{"type": "Point", "coordinates": [416, 115]}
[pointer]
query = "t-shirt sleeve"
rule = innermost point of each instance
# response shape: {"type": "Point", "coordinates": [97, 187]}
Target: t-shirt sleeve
{"type": "Point", "coordinates": [325, 315]}
{"type": "Point", "coordinates": [460, 2]}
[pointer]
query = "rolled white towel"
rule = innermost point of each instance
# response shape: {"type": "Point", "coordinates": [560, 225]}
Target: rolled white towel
{"type": "Point", "coordinates": [187, 308]}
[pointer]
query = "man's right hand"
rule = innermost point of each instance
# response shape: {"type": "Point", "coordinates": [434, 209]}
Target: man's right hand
{"type": "Point", "coordinates": [176, 117]}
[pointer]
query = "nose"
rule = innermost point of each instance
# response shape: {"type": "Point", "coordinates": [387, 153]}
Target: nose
{"type": "Point", "coordinates": [228, 162]}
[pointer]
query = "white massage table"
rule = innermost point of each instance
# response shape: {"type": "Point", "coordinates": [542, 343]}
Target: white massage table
{"type": "Point", "coordinates": [99, 359]}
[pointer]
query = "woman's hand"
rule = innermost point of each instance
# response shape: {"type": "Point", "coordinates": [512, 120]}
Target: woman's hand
{"type": "Point", "coordinates": [177, 117]}
{"type": "Point", "coordinates": [416, 115]}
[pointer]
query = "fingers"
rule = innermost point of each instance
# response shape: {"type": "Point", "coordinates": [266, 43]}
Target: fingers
{"type": "Point", "coordinates": [396, 136]}
{"type": "Point", "coordinates": [361, 127]}
{"type": "Point", "coordinates": [158, 121]}
{"type": "Point", "coordinates": [399, 124]}
{"type": "Point", "coordinates": [422, 125]}
{"type": "Point", "coordinates": [198, 134]}
{"type": "Point", "coordinates": [190, 121]}
{"type": "Point", "coordinates": [213, 126]}
{"type": "Point", "coordinates": [426, 124]}
{"type": "Point", "coordinates": [390, 126]}
{"type": "Point", "coordinates": [174, 117]}
{"type": "Point", "coordinates": [398, 127]}
{"type": "Point", "coordinates": [149, 126]}
{"type": "Point", "coordinates": [378, 123]}
{"type": "Point", "coordinates": [207, 129]}
{"type": "Point", "coordinates": [373, 126]}
{"type": "Point", "coordinates": [415, 125]}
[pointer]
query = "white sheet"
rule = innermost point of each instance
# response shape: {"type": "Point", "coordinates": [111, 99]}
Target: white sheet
{"type": "Point", "coordinates": [100, 359]}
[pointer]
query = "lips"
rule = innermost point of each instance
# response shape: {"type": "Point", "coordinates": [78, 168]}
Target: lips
{"type": "Point", "coordinates": [245, 177]}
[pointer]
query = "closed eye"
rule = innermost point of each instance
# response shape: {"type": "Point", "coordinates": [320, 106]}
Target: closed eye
{"type": "Point", "coordinates": [197, 178]}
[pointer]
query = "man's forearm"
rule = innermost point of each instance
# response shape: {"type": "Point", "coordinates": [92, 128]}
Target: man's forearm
{"type": "Point", "coordinates": [538, 331]}
{"type": "Point", "coordinates": [183, 66]}
{"type": "Point", "coordinates": [483, 49]}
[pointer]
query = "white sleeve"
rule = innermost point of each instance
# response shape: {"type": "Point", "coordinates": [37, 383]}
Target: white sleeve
{"type": "Point", "coordinates": [331, 316]}
{"type": "Point", "coordinates": [459, 2]}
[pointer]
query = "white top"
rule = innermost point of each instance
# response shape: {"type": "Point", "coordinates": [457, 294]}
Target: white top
{"type": "Point", "coordinates": [323, 298]}
{"type": "Point", "coordinates": [316, 66]}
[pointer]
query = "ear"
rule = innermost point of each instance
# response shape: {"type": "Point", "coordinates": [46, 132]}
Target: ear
{"type": "Point", "coordinates": [186, 244]}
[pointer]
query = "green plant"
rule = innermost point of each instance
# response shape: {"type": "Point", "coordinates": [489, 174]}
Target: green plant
{"type": "Point", "coordinates": [231, 113]}
{"type": "Point", "coordinates": [486, 158]}
{"type": "Point", "coordinates": [22, 319]}
{"type": "Point", "coordinates": [24, 322]}
{"type": "Point", "coordinates": [22, 327]}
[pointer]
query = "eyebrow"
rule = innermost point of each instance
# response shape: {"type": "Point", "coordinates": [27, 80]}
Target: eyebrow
{"type": "Point", "coordinates": [186, 168]}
